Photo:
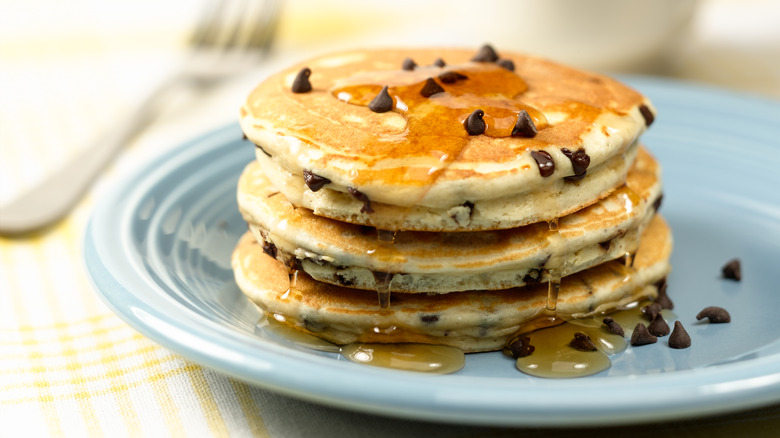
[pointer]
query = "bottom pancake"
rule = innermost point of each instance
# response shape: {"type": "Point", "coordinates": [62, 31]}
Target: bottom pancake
{"type": "Point", "coordinates": [472, 321]}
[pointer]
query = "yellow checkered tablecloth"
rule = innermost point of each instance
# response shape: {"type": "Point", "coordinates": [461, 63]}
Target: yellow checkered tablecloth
{"type": "Point", "coordinates": [69, 366]}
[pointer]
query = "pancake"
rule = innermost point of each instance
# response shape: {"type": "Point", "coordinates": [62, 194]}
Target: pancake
{"type": "Point", "coordinates": [470, 320]}
{"type": "Point", "coordinates": [416, 167]}
{"type": "Point", "coordinates": [424, 262]}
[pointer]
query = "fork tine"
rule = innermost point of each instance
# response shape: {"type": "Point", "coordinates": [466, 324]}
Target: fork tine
{"type": "Point", "coordinates": [209, 26]}
{"type": "Point", "coordinates": [261, 31]}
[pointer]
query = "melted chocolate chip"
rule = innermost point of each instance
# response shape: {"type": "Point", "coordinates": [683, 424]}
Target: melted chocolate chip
{"type": "Point", "coordinates": [605, 244]}
{"type": "Point", "coordinates": [647, 114]}
{"type": "Point", "coordinates": [613, 326]}
{"type": "Point", "coordinates": [657, 202]}
{"type": "Point", "coordinates": [579, 161]}
{"type": "Point", "coordinates": [429, 319]}
{"type": "Point", "coordinates": [641, 336]}
{"type": "Point", "coordinates": [732, 270]}
{"type": "Point", "coordinates": [269, 248]}
{"type": "Point", "coordinates": [507, 64]}
{"type": "Point", "coordinates": [439, 62]}
{"type": "Point", "coordinates": [409, 64]}
{"type": "Point", "coordinates": [545, 163]}
{"type": "Point", "coordinates": [344, 281]}
{"type": "Point", "coordinates": [486, 54]}
{"type": "Point", "coordinates": [519, 346]}
{"type": "Point", "coordinates": [658, 327]}
{"type": "Point", "coordinates": [314, 181]}
{"type": "Point", "coordinates": [651, 311]}
{"type": "Point", "coordinates": [382, 103]}
{"type": "Point", "coordinates": [533, 276]}
{"type": "Point", "coordinates": [716, 315]}
{"type": "Point", "coordinates": [301, 83]}
{"type": "Point", "coordinates": [524, 126]}
{"type": "Point", "coordinates": [679, 338]}
{"type": "Point", "coordinates": [474, 124]}
{"type": "Point", "coordinates": [582, 342]}
{"type": "Point", "coordinates": [360, 196]}
{"type": "Point", "coordinates": [450, 77]}
{"type": "Point", "coordinates": [430, 88]}
{"type": "Point", "coordinates": [262, 150]}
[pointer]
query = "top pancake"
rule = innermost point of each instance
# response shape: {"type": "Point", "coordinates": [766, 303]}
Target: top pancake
{"type": "Point", "coordinates": [419, 153]}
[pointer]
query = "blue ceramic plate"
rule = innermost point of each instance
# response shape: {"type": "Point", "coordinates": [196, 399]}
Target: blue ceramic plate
{"type": "Point", "coordinates": [158, 250]}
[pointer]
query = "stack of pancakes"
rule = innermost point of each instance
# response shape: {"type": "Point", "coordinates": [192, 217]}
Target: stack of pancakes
{"type": "Point", "coordinates": [446, 197]}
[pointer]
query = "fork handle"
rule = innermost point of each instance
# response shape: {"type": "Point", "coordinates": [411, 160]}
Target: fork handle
{"type": "Point", "coordinates": [56, 195]}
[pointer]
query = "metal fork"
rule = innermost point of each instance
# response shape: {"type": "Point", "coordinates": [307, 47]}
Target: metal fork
{"type": "Point", "coordinates": [229, 37]}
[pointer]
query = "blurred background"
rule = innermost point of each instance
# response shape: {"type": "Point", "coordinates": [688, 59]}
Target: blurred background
{"type": "Point", "coordinates": [70, 70]}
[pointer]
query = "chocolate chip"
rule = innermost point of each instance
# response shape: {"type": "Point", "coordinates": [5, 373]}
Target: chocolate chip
{"type": "Point", "coordinates": [262, 150]}
{"type": "Point", "coordinates": [439, 62]}
{"type": "Point", "coordinates": [533, 276]}
{"type": "Point", "coordinates": [657, 202]}
{"type": "Point", "coordinates": [269, 248]}
{"type": "Point", "coordinates": [545, 163]}
{"type": "Point", "coordinates": [679, 338]}
{"type": "Point", "coordinates": [582, 342]}
{"type": "Point", "coordinates": [651, 311]}
{"type": "Point", "coordinates": [429, 319]}
{"type": "Point", "coordinates": [507, 64]}
{"type": "Point", "coordinates": [360, 196]}
{"type": "Point", "coordinates": [244, 137]}
{"type": "Point", "coordinates": [663, 299]}
{"type": "Point", "coordinates": [579, 161]}
{"type": "Point", "coordinates": [613, 326]}
{"type": "Point", "coordinates": [475, 125]}
{"type": "Point", "coordinates": [605, 244]}
{"type": "Point", "coordinates": [647, 114]}
{"type": "Point", "coordinates": [716, 315]}
{"type": "Point", "coordinates": [641, 336]}
{"type": "Point", "coordinates": [519, 346]}
{"type": "Point", "coordinates": [450, 77]}
{"type": "Point", "coordinates": [382, 103]}
{"type": "Point", "coordinates": [524, 126]}
{"type": "Point", "coordinates": [301, 83]}
{"type": "Point", "coordinates": [485, 54]}
{"type": "Point", "coordinates": [314, 181]}
{"type": "Point", "coordinates": [732, 270]}
{"type": "Point", "coordinates": [409, 64]}
{"type": "Point", "coordinates": [430, 88]}
{"type": "Point", "coordinates": [658, 327]}
{"type": "Point", "coordinates": [344, 281]}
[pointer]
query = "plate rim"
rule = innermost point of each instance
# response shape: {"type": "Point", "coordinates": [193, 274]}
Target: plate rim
{"type": "Point", "coordinates": [753, 383]}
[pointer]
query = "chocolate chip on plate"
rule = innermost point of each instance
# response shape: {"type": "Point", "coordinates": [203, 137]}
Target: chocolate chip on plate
{"type": "Point", "coordinates": [409, 64]}
{"type": "Point", "coordinates": [524, 126]}
{"type": "Point", "coordinates": [519, 346]}
{"type": "Point", "coordinates": [613, 326]}
{"type": "Point", "coordinates": [430, 88]}
{"type": "Point", "coordinates": [301, 83]}
{"type": "Point", "coordinates": [679, 338]}
{"type": "Point", "coordinates": [715, 314]}
{"type": "Point", "coordinates": [658, 327]}
{"type": "Point", "coordinates": [732, 270]}
{"type": "Point", "coordinates": [382, 103]}
{"type": "Point", "coordinates": [474, 124]}
{"type": "Point", "coordinates": [641, 336]}
{"type": "Point", "coordinates": [582, 342]}
{"type": "Point", "coordinates": [439, 62]}
{"type": "Point", "coordinates": [545, 162]}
